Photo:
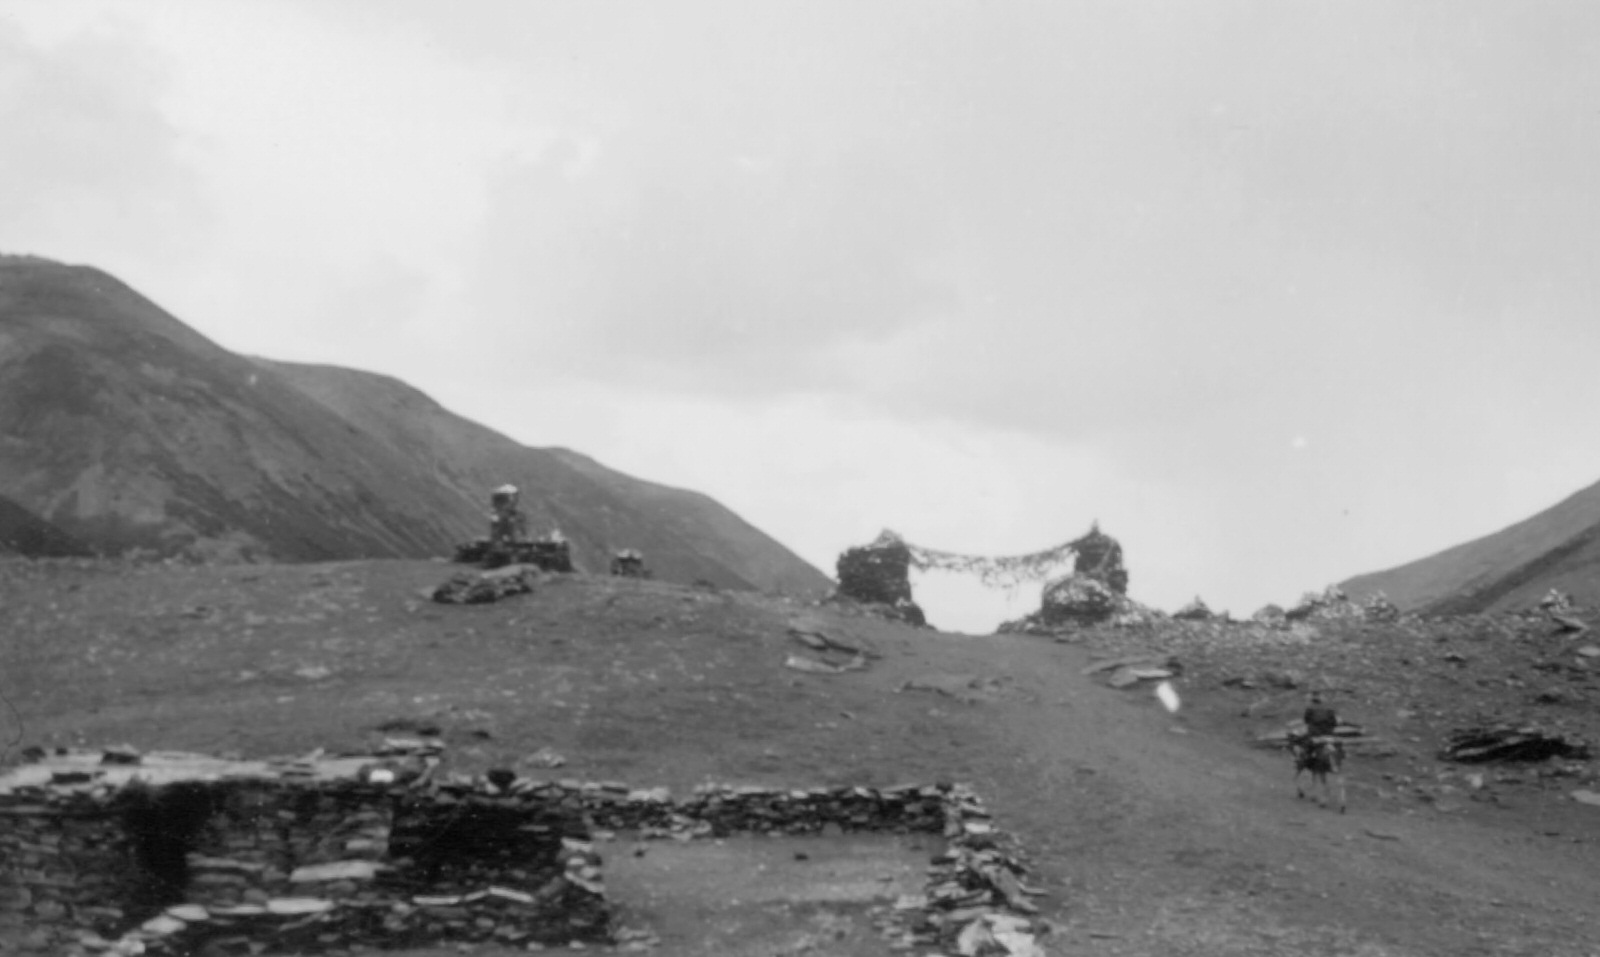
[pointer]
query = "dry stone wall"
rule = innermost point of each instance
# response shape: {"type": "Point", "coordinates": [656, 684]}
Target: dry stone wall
{"type": "Point", "coordinates": [393, 856]}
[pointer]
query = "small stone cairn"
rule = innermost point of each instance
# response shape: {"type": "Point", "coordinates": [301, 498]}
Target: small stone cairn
{"type": "Point", "coordinates": [629, 563]}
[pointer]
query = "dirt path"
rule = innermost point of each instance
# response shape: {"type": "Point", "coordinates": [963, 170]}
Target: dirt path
{"type": "Point", "coordinates": [1168, 839]}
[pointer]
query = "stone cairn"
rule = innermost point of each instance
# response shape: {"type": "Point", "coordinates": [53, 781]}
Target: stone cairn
{"type": "Point", "coordinates": [879, 575]}
{"type": "Point", "coordinates": [384, 852]}
{"type": "Point", "coordinates": [1094, 593]}
{"type": "Point", "coordinates": [629, 563]}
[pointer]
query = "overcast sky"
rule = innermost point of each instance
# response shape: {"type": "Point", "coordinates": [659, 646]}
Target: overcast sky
{"type": "Point", "coordinates": [1279, 292]}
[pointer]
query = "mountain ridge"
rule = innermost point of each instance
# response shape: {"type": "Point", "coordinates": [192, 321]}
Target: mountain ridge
{"type": "Point", "coordinates": [1505, 570]}
{"type": "Point", "coordinates": [123, 429]}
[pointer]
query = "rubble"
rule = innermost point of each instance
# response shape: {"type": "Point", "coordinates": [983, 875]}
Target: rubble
{"type": "Point", "coordinates": [1273, 616]}
{"type": "Point", "coordinates": [1511, 743]}
{"type": "Point", "coordinates": [481, 588]}
{"type": "Point", "coordinates": [1378, 608]}
{"type": "Point", "coordinates": [1555, 601]}
{"type": "Point", "coordinates": [1195, 610]}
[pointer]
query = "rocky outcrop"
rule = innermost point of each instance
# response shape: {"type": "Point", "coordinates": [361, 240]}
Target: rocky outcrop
{"type": "Point", "coordinates": [1196, 610]}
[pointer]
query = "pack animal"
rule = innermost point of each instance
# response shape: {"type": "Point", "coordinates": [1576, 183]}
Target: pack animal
{"type": "Point", "coordinates": [1324, 759]}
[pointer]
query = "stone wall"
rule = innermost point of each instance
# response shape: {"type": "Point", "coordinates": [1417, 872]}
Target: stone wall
{"type": "Point", "coordinates": [384, 860]}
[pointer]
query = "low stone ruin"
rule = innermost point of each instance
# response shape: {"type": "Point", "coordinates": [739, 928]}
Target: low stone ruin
{"type": "Point", "coordinates": [551, 554]}
{"type": "Point", "coordinates": [179, 853]}
{"type": "Point", "coordinates": [879, 575]}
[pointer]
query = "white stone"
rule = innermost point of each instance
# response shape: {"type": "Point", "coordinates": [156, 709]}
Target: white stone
{"type": "Point", "coordinates": [188, 912]}
{"type": "Point", "coordinates": [162, 925]}
{"type": "Point", "coordinates": [336, 871]}
{"type": "Point", "coordinates": [298, 905]}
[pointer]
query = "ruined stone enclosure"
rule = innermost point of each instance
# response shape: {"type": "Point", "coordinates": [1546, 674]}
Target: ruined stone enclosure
{"type": "Point", "coordinates": [181, 854]}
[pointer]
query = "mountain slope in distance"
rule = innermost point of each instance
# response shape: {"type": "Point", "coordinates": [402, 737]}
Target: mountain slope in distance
{"type": "Point", "coordinates": [123, 429]}
{"type": "Point", "coordinates": [1508, 570]}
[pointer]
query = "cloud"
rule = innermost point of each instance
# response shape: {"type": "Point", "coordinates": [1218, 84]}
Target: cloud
{"type": "Point", "coordinates": [92, 169]}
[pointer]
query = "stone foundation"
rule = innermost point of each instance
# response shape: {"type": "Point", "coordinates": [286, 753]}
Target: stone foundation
{"type": "Point", "coordinates": [380, 854]}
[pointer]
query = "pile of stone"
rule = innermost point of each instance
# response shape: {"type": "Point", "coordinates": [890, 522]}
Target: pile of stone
{"type": "Point", "coordinates": [1196, 610]}
{"type": "Point", "coordinates": [551, 554]}
{"type": "Point", "coordinates": [1556, 600]}
{"type": "Point", "coordinates": [1068, 605]}
{"type": "Point", "coordinates": [976, 901]}
{"type": "Point", "coordinates": [1379, 609]}
{"type": "Point", "coordinates": [1511, 743]}
{"type": "Point", "coordinates": [1331, 604]}
{"type": "Point", "coordinates": [481, 588]}
{"type": "Point", "coordinates": [629, 563]}
{"type": "Point", "coordinates": [1271, 616]}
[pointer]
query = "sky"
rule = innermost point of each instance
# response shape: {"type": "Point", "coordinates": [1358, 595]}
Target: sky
{"type": "Point", "coordinates": [1276, 292]}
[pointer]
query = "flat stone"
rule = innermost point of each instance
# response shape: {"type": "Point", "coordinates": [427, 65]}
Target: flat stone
{"type": "Point", "coordinates": [298, 905]}
{"type": "Point", "coordinates": [1586, 797]}
{"type": "Point", "coordinates": [1590, 651]}
{"type": "Point", "coordinates": [1123, 678]}
{"type": "Point", "coordinates": [188, 912]}
{"type": "Point", "coordinates": [336, 871]}
{"type": "Point", "coordinates": [162, 925]}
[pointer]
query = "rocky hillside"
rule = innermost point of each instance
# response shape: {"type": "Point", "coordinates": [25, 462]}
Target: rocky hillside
{"type": "Point", "coordinates": [1506, 571]}
{"type": "Point", "coordinates": [122, 429]}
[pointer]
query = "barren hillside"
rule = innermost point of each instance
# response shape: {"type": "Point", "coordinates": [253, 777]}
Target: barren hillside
{"type": "Point", "coordinates": [121, 428]}
{"type": "Point", "coordinates": [1508, 570]}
